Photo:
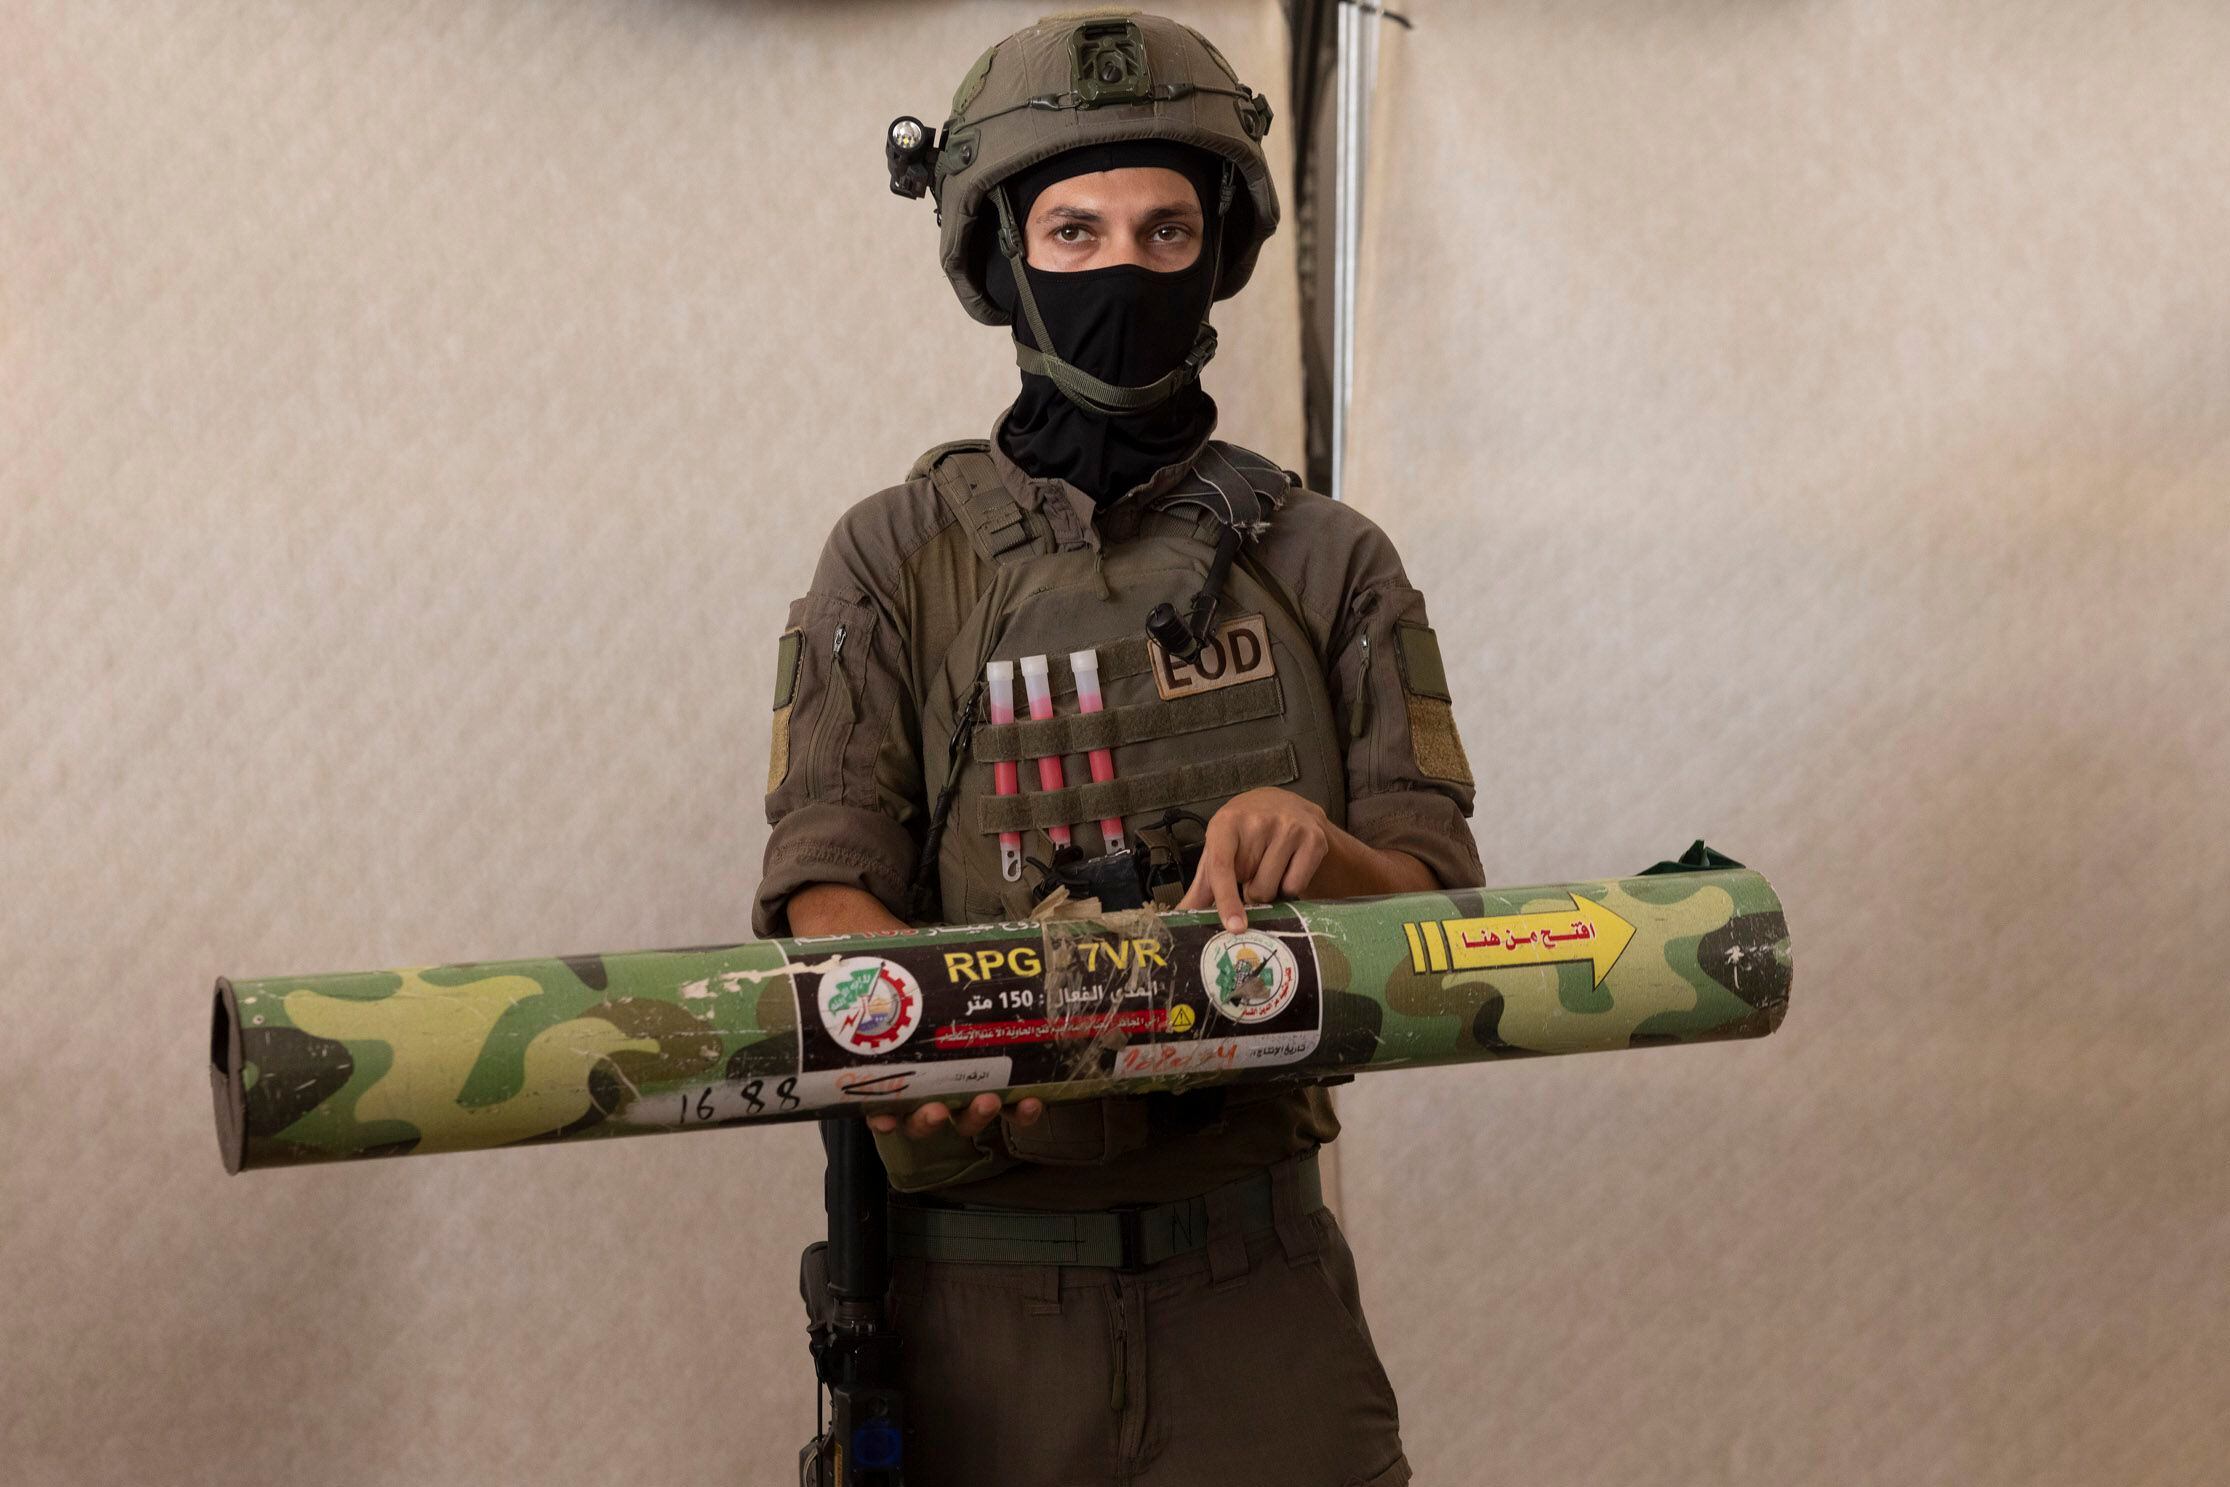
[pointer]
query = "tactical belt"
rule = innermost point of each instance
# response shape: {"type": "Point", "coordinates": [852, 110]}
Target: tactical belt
{"type": "Point", "coordinates": [1115, 1239]}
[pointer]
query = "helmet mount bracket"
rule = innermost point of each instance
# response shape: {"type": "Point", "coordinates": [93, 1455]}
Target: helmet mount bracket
{"type": "Point", "coordinates": [1107, 64]}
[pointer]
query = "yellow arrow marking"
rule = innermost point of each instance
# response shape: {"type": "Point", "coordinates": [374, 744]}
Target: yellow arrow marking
{"type": "Point", "coordinates": [1589, 932]}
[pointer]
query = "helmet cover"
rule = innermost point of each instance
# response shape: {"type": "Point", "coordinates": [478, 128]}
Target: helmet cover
{"type": "Point", "coordinates": [1092, 77]}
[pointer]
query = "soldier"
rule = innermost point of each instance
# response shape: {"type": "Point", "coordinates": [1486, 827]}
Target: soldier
{"type": "Point", "coordinates": [1272, 700]}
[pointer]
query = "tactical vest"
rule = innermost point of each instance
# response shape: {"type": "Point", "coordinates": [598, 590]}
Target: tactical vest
{"type": "Point", "coordinates": [1252, 710]}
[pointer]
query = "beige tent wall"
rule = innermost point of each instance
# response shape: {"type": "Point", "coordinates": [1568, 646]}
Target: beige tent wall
{"type": "Point", "coordinates": [414, 420]}
{"type": "Point", "coordinates": [1812, 426]}
{"type": "Point", "coordinates": [1809, 422]}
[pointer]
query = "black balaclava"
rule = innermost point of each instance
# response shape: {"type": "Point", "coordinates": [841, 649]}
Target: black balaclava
{"type": "Point", "coordinates": [1127, 324]}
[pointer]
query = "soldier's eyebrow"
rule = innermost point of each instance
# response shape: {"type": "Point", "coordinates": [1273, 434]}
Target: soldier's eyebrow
{"type": "Point", "coordinates": [1167, 211]}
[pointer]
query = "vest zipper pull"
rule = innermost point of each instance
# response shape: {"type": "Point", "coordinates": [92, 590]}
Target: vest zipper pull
{"type": "Point", "coordinates": [842, 682]}
{"type": "Point", "coordinates": [1359, 716]}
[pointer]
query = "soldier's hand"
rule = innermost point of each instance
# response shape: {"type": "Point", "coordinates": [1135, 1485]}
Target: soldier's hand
{"type": "Point", "coordinates": [971, 1122]}
{"type": "Point", "coordinates": [1263, 845]}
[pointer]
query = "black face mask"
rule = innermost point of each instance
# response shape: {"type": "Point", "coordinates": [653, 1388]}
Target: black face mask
{"type": "Point", "coordinates": [1127, 325]}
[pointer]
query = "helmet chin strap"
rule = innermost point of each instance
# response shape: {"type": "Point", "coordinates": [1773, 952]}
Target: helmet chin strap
{"type": "Point", "coordinates": [1077, 385]}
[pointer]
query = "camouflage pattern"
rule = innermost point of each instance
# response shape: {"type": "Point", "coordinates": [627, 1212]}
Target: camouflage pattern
{"type": "Point", "coordinates": [314, 1068]}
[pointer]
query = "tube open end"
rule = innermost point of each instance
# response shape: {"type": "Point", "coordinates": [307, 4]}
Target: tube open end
{"type": "Point", "coordinates": [225, 1082]}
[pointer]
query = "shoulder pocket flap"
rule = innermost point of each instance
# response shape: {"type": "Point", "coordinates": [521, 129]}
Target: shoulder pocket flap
{"type": "Point", "coordinates": [786, 659]}
{"type": "Point", "coordinates": [1421, 671]}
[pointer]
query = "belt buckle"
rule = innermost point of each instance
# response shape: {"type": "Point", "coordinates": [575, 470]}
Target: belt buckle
{"type": "Point", "coordinates": [1130, 1238]}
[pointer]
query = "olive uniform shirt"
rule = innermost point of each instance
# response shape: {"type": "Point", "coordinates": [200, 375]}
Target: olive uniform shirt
{"type": "Point", "coordinates": [849, 805]}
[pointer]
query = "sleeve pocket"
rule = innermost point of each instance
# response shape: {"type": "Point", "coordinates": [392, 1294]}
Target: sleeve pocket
{"type": "Point", "coordinates": [1434, 744]}
{"type": "Point", "coordinates": [824, 659]}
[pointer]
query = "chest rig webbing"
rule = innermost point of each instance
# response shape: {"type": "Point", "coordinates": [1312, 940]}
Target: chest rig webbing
{"type": "Point", "coordinates": [1050, 588]}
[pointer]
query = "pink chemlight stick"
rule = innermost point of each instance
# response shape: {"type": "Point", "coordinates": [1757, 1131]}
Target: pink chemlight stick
{"type": "Point", "coordinates": [1006, 778]}
{"type": "Point", "coordinates": [1086, 665]}
{"type": "Point", "coordinates": [1041, 707]}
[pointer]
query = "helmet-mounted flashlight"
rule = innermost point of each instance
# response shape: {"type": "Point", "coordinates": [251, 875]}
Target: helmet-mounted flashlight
{"type": "Point", "coordinates": [910, 149]}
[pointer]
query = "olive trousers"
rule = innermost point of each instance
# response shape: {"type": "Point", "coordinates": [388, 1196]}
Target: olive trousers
{"type": "Point", "coordinates": [1247, 1364]}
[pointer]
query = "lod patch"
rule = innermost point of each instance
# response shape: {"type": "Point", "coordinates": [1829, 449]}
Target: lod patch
{"type": "Point", "coordinates": [1238, 652]}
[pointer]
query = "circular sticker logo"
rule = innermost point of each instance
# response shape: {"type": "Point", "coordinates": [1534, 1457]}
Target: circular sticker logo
{"type": "Point", "coordinates": [1251, 976]}
{"type": "Point", "coordinates": [869, 1005]}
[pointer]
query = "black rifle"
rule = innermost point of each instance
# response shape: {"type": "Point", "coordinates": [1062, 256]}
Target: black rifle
{"type": "Point", "coordinates": [855, 1352]}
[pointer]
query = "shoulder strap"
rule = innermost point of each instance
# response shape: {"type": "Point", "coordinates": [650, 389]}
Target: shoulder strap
{"type": "Point", "coordinates": [930, 461]}
{"type": "Point", "coordinates": [968, 483]}
{"type": "Point", "coordinates": [1270, 479]}
{"type": "Point", "coordinates": [1235, 487]}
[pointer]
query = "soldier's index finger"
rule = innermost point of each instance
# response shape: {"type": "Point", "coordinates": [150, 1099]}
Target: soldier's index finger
{"type": "Point", "coordinates": [1214, 855]}
{"type": "Point", "coordinates": [1225, 882]}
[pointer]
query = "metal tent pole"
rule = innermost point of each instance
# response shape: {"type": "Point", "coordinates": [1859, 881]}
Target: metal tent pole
{"type": "Point", "coordinates": [1343, 210]}
{"type": "Point", "coordinates": [1357, 42]}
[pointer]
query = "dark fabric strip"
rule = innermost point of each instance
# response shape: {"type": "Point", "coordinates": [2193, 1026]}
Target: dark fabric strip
{"type": "Point", "coordinates": [1188, 784]}
{"type": "Point", "coordinates": [1077, 733]}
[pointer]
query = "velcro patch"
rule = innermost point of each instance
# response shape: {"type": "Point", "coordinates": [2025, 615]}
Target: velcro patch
{"type": "Point", "coordinates": [1434, 743]}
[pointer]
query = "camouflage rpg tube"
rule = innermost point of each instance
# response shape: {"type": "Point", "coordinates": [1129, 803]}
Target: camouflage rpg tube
{"type": "Point", "coordinates": [315, 1068]}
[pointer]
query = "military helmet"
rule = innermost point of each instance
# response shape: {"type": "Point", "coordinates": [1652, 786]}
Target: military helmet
{"type": "Point", "coordinates": [1084, 78]}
